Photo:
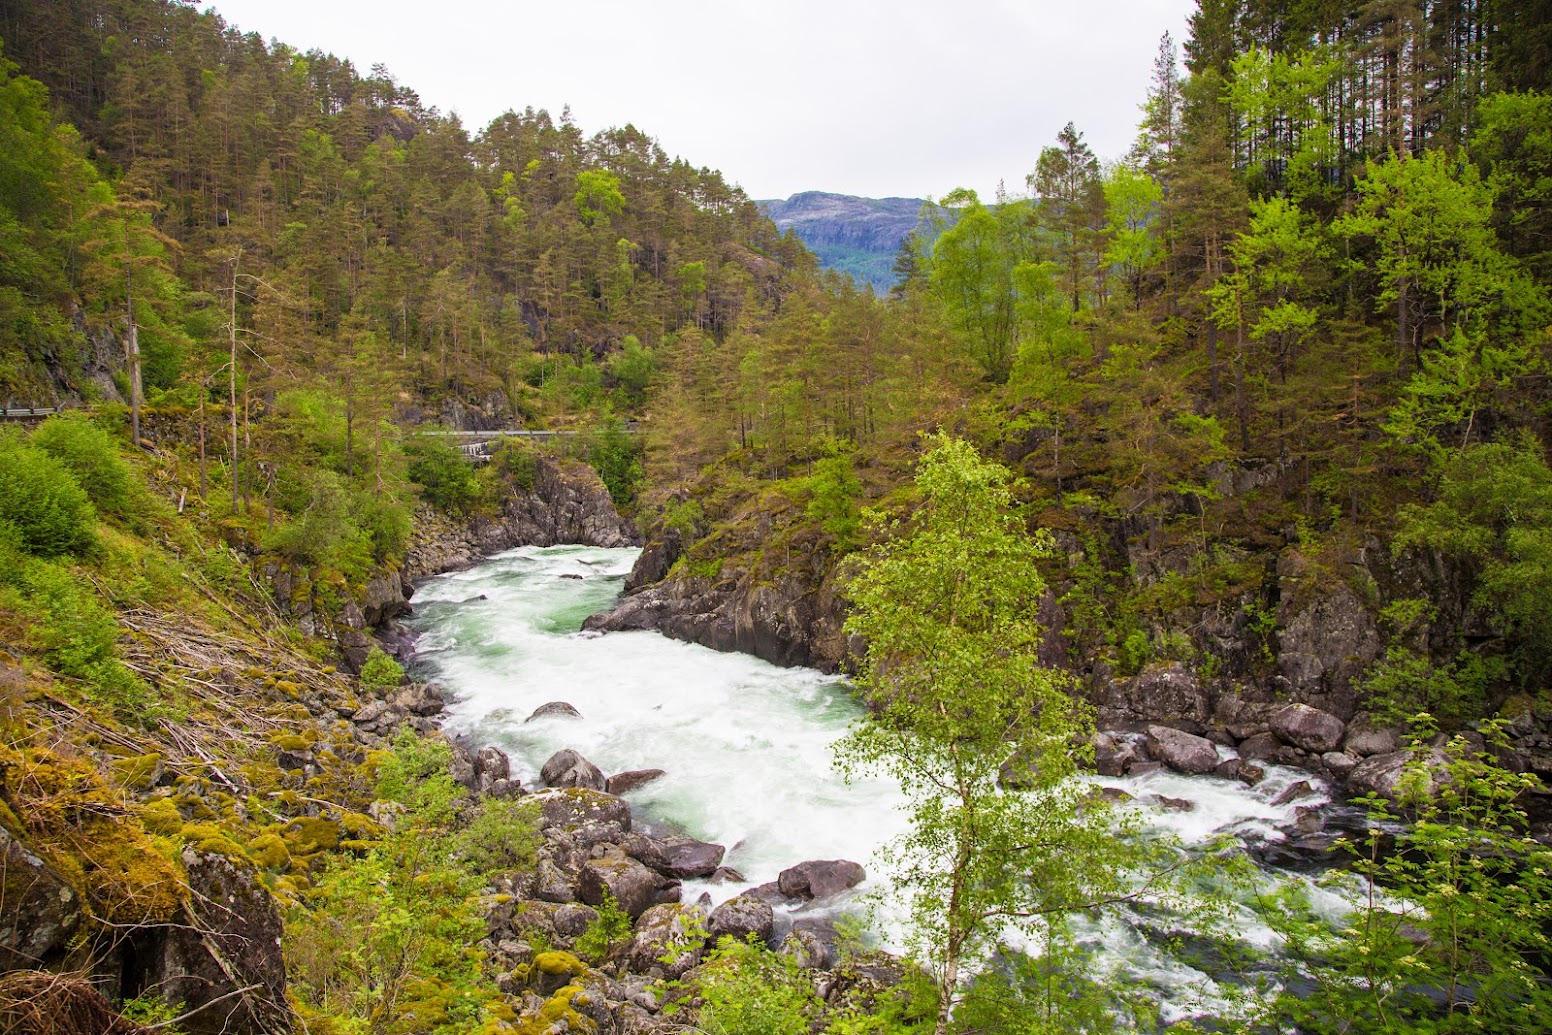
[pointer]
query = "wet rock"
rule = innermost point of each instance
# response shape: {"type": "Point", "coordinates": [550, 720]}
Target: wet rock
{"type": "Point", "coordinates": [1263, 747]}
{"type": "Point", "coordinates": [667, 941]}
{"type": "Point", "coordinates": [820, 878]}
{"type": "Point", "coordinates": [1308, 728]}
{"type": "Point", "coordinates": [1229, 768]}
{"type": "Point", "coordinates": [1307, 819]}
{"type": "Point", "coordinates": [554, 710]}
{"type": "Point", "coordinates": [726, 875]}
{"type": "Point", "coordinates": [1383, 774]}
{"type": "Point", "coordinates": [1293, 792]}
{"type": "Point", "coordinates": [770, 892]}
{"type": "Point", "coordinates": [567, 768]}
{"type": "Point", "coordinates": [687, 858]}
{"type": "Point", "coordinates": [624, 783]}
{"type": "Point", "coordinates": [740, 917]}
{"type": "Point", "coordinates": [634, 887]}
{"type": "Point", "coordinates": [1144, 768]}
{"type": "Point", "coordinates": [812, 943]}
{"type": "Point", "coordinates": [1182, 752]}
{"type": "Point", "coordinates": [1164, 801]}
{"type": "Point", "coordinates": [1113, 754]}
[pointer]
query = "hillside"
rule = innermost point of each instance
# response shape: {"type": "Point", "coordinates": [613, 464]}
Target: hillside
{"type": "Point", "coordinates": [856, 236]}
{"type": "Point", "coordinates": [1268, 399]}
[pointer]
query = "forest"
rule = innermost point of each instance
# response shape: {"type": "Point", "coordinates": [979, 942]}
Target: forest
{"type": "Point", "coordinates": [1304, 322]}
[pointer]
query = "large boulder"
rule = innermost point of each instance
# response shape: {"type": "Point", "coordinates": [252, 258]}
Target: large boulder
{"type": "Point", "coordinates": [491, 767]}
{"type": "Point", "coordinates": [813, 942]}
{"type": "Point", "coordinates": [554, 710]}
{"type": "Point", "coordinates": [1383, 775]}
{"type": "Point", "coordinates": [667, 941]}
{"type": "Point", "coordinates": [1309, 728]}
{"type": "Point", "coordinates": [224, 960]}
{"type": "Point", "coordinates": [740, 917]}
{"type": "Point", "coordinates": [634, 887]}
{"type": "Point", "coordinates": [41, 910]}
{"type": "Point", "coordinates": [1182, 752]}
{"type": "Point", "coordinates": [1364, 739]}
{"type": "Point", "coordinates": [820, 878]}
{"type": "Point", "coordinates": [567, 768]}
{"type": "Point", "coordinates": [572, 807]}
{"type": "Point", "coordinates": [1167, 692]}
{"type": "Point", "coordinates": [687, 858]}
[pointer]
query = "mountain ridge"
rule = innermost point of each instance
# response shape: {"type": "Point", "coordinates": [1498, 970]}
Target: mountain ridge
{"type": "Point", "coordinates": [849, 234]}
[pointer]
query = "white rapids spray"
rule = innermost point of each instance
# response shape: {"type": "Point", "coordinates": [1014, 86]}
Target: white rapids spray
{"type": "Point", "coordinates": [746, 746]}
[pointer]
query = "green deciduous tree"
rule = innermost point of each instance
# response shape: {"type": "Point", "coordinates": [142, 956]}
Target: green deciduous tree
{"type": "Point", "coordinates": [947, 608]}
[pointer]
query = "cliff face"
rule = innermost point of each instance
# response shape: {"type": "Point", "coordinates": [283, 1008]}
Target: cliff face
{"type": "Point", "coordinates": [858, 236]}
{"type": "Point", "coordinates": [568, 503]}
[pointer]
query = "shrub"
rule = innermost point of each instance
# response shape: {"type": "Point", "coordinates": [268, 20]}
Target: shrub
{"type": "Point", "coordinates": [42, 501]}
{"type": "Point", "coordinates": [502, 836]}
{"type": "Point", "coordinates": [381, 671]}
{"type": "Point", "coordinates": [616, 459]}
{"type": "Point", "coordinates": [746, 990]}
{"type": "Point", "coordinates": [612, 928]}
{"type": "Point", "coordinates": [92, 457]}
{"type": "Point", "coordinates": [444, 476]}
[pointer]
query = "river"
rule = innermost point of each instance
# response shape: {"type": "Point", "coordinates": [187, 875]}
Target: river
{"type": "Point", "coordinates": [746, 745]}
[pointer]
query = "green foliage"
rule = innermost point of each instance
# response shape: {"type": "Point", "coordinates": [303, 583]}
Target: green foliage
{"type": "Point", "coordinates": [323, 528]}
{"type": "Point", "coordinates": [1451, 934]}
{"type": "Point", "coordinates": [835, 489]}
{"type": "Point", "coordinates": [610, 930]}
{"type": "Point", "coordinates": [416, 775]}
{"type": "Point", "coordinates": [947, 607]}
{"type": "Point", "coordinates": [1495, 511]}
{"type": "Point", "coordinates": [684, 517]}
{"type": "Point", "coordinates": [381, 672]}
{"type": "Point", "coordinates": [68, 625]}
{"type": "Point", "coordinates": [92, 457]}
{"type": "Point", "coordinates": [445, 477]}
{"type": "Point", "coordinates": [616, 456]}
{"type": "Point", "coordinates": [39, 498]}
{"type": "Point", "coordinates": [598, 195]}
{"type": "Point", "coordinates": [517, 462]}
{"type": "Point", "coordinates": [501, 836]}
{"type": "Point", "coordinates": [746, 990]}
{"type": "Point", "coordinates": [1049, 995]}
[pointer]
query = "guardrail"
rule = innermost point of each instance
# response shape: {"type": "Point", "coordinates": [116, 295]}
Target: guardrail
{"type": "Point", "coordinates": [23, 412]}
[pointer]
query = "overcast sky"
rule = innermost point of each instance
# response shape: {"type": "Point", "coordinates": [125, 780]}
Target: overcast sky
{"type": "Point", "coordinates": [906, 99]}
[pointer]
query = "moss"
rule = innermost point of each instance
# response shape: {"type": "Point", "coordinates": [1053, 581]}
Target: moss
{"type": "Point", "coordinates": [162, 816]}
{"type": "Point", "coordinates": [557, 1008]}
{"type": "Point", "coordinates": [269, 852]}
{"type": "Point", "coordinates": [309, 836]}
{"type": "Point", "coordinates": [213, 840]}
{"type": "Point", "coordinates": [555, 963]}
{"type": "Point", "coordinates": [292, 742]}
{"type": "Point", "coordinates": [137, 772]}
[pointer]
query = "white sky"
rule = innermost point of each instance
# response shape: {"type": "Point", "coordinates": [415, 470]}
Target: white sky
{"type": "Point", "coordinates": [904, 99]}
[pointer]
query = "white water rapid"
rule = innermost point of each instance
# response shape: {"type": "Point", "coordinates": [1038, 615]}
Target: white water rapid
{"type": "Point", "coordinates": [746, 745]}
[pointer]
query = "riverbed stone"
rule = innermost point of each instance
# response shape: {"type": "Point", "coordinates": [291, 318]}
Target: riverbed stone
{"type": "Point", "coordinates": [624, 783]}
{"type": "Point", "coordinates": [813, 943]}
{"type": "Point", "coordinates": [1308, 728]}
{"type": "Point", "coordinates": [634, 887]}
{"type": "Point", "coordinates": [1340, 763]}
{"type": "Point", "coordinates": [1364, 739]}
{"type": "Point", "coordinates": [1261, 747]}
{"type": "Point", "coordinates": [820, 878]}
{"type": "Point", "coordinates": [740, 917]}
{"type": "Point", "coordinates": [686, 858]}
{"type": "Point", "coordinates": [1250, 774]}
{"type": "Point", "coordinates": [1382, 774]}
{"type": "Point", "coordinates": [667, 941]}
{"type": "Point", "coordinates": [554, 710]}
{"type": "Point", "coordinates": [1182, 752]}
{"type": "Point", "coordinates": [567, 768]}
{"type": "Point", "coordinates": [571, 807]}
{"type": "Point", "coordinates": [1294, 792]}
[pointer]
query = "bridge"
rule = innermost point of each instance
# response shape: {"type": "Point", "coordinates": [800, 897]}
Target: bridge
{"type": "Point", "coordinates": [28, 412]}
{"type": "Point", "coordinates": [476, 444]}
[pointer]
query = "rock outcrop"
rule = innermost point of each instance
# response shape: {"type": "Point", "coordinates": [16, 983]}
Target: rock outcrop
{"type": "Point", "coordinates": [567, 504]}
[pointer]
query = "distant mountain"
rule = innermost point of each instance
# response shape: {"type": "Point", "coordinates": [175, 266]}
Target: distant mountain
{"type": "Point", "coordinates": [859, 236]}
